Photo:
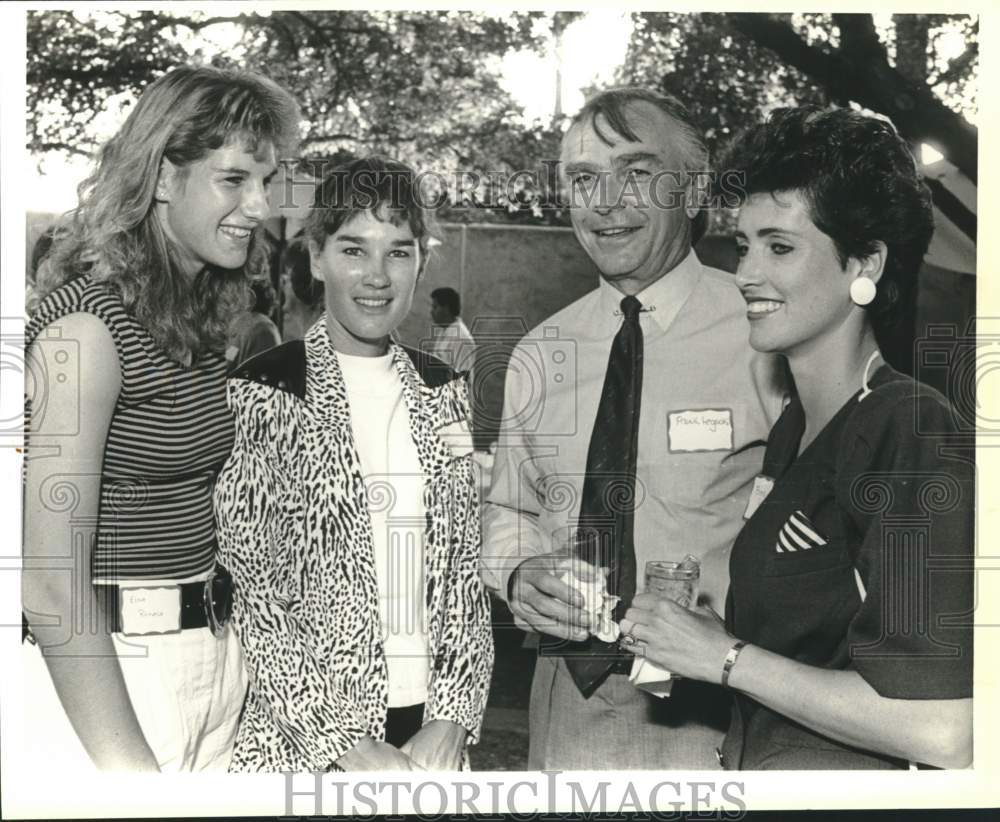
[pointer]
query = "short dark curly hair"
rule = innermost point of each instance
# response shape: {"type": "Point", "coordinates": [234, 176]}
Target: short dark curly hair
{"type": "Point", "coordinates": [367, 184]}
{"type": "Point", "coordinates": [861, 184]}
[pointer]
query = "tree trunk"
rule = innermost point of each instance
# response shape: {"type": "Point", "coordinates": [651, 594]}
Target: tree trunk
{"type": "Point", "coordinates": [911, 46]}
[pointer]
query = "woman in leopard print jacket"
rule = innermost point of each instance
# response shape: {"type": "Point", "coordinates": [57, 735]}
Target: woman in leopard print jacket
{"type": "Point", "coordinates": [348, 514]}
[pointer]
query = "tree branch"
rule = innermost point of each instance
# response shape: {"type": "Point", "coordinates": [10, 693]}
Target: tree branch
{"type": "Point", "coordinates": [869, 80]}
{"type": "Point", "coordinates": [42, 146]}
{"type": "Point", "coordinates": [957, 66]}
{"type": "Point", "coordinates": [858, 37]}
{"type": "Point", "coordinates": [163, 20]}
{"type": "Point", "coordinates": [329, 138]}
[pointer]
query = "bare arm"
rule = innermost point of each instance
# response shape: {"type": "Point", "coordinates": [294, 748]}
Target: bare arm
{"type": "Point", "coordinates": [843, 706]}
{"type": "Point", "coordinates": [837, 704]}
{"type": "Point", "coordinates": [78, 649]}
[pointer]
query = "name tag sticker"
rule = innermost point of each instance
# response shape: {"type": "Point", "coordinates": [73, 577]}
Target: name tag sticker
{"type": "Point", "coordinates": [761, 488]}
{"type": "Point", "coordinates": [150, 610]}
{"type": "Point", "coordinates": [704, 429]}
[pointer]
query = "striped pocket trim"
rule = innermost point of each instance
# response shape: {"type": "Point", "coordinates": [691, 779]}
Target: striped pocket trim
{"type": "Point", "coordinates": [798, 534]}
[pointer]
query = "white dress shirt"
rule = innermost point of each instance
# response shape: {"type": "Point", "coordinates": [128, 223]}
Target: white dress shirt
{"type": "Point", "coordinates": [708, 403]}
{"type": "Point", "coordinates": [454, 344]}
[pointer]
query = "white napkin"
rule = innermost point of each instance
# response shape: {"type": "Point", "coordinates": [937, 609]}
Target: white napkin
{"type": "Point", "coordinates": [597, 602]}
{"type": "Point", "coordinates": [649, 677]}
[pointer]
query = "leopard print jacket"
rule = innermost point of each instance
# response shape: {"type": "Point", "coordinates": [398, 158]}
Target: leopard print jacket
{"type": "Point", "coordinates": [295, 533]}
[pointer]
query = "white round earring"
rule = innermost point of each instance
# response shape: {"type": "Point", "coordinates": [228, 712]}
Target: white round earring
{"type": "Point", "coordinates": [862, 290]}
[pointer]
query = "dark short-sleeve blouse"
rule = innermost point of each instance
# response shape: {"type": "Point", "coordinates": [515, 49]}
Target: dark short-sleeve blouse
{"type": "Point", "coordinates": [170, 434]}
{"type": "Point", "coordinates": [860, 558]}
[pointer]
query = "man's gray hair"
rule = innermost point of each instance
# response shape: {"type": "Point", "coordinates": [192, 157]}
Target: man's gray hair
{"type": "Point", "coordinates": [612, 104]}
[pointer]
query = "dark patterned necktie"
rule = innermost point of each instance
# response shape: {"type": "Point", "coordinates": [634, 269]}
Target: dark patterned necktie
{"type": "Point", "coordinates": [605, 532]}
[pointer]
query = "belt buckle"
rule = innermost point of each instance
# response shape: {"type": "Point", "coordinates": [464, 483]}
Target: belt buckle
{"type": "Point", "coordinates": [216, 623]}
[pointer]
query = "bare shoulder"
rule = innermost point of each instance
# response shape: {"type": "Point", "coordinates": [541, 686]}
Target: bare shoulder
{"type": "Point", "coordinates": [79, 349]}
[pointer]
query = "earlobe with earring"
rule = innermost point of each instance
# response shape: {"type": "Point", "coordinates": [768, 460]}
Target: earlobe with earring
{"type": "Point", "coordinates": [862, 290]}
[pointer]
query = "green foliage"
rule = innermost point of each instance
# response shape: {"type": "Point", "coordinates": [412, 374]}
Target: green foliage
{"type": "Point", "coordinates": [725, 79]}
{"type": "Point", "coordinates": [954, 79]}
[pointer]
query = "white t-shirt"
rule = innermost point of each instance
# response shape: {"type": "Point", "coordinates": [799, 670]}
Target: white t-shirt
{"type": "Point", "coordinates": [394, 480]}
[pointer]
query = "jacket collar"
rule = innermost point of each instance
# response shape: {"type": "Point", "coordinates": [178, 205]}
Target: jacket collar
{"type": "Point", "coordinates": [430, 407]}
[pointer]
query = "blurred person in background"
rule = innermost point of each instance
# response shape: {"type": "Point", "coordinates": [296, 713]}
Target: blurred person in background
{"type": "Point", "coordinates": [301, 293]}
{"type": "Point", "coordinates": [451, 341]}
{"type": "Point", "coordinates": [127, 427]}
{"type": "Point", "coordinates": [253, 331]}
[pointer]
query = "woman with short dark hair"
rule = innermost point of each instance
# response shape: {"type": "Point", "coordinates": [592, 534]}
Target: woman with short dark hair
{"type": "Point", "coordinates": [848, 638]}
{"type": "Point", "coordinates": [349, 513]}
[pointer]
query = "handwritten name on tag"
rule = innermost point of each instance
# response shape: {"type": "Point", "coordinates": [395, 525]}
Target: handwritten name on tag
{"type": "Point", "coordinates": [704, 429]}
{"type": "Point", "coordinates": [150, 610]}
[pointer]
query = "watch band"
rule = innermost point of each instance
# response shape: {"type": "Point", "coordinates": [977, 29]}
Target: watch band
{"type": "Point", "coordinates": [730, 660]}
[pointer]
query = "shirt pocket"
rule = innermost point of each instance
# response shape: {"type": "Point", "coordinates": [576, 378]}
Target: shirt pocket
{"type": "Point", "coordinates": [690, 481]}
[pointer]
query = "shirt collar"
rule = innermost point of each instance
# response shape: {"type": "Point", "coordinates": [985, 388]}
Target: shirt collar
{"type": "Point", "coordinates": [661, 300]}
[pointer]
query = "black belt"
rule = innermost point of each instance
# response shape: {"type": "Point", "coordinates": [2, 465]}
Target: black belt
{"type": "Point", "coordinates": [204, 604]}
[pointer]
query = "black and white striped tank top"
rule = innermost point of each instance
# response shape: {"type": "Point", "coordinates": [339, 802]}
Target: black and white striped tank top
{"type": "Point", "coordinates": [170, 434]}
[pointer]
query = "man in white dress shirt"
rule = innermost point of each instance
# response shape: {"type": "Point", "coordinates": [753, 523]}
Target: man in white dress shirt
{"type": "Point", "coordinates": [707, 403]}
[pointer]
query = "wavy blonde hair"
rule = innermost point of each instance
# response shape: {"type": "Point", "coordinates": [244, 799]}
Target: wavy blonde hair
{"type": "Point", "coordinates": [114, 235]}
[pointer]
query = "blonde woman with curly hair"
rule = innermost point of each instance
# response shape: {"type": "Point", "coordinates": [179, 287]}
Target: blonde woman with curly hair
{"type": "Point", "coordinates": [127, 426]}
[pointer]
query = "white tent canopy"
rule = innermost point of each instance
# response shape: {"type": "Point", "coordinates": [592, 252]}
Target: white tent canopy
{"type": "Point", "coordinates": [951, 247]}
